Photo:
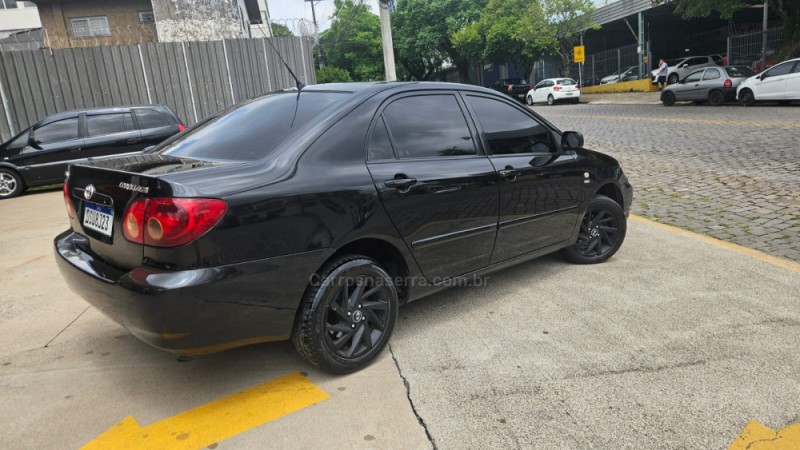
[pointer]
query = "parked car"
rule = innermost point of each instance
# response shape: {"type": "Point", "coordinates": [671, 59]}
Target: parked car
{"type": "Point", "coordinates": [679, 68]}
{"type": "Point", "coordinates": [314, 214]}
{"type": "Point", "coordinates": [552, 90]}
{"type": "Point", "coordinates": [781, 82]}
{"type": "Point", "coordinates": [39, 155]}
{"type": "Point", "coordinates": [627, 74]}
{"type": "Point", "coordinates": [714, 85]}
{"type": "Point", "coordinates": [513, 87]}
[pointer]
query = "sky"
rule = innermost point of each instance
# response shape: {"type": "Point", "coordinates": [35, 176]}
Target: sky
{"type": "Point", "coordinates": [283, 11]}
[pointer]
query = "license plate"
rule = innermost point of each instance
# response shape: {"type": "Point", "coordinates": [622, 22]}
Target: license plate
{"type": "Point", "coordinates": [569, 93]}
{"type": "Point", "coordinates": [98, 218]}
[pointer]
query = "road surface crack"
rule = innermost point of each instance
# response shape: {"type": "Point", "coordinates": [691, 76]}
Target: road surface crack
{"type": "Point", "coordinates": [411, 402]}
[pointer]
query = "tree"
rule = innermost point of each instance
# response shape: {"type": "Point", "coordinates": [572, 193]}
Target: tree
{"type": "Point", "coordinates": [422, 31]}
{"type": "Point", "coordinates": [569, 19]}
{"type": "Point", "coordinates": [353, 42]}
{"type": "Point", "coordinates": [330, 74]}
{"type": "Point", "coordinates": [787, 10]}
{"type": "Point", "coordinates": [280, 30]}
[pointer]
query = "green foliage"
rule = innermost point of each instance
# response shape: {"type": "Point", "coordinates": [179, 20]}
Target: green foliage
{"type": "Point", "coordinates": [331, 74]}
{"type": "Point", "coordinates": [702, 8]}
{"type": "Point", "coordinates": [569, 19]}
{"type": "Point", "coordinates": [280, 30]}
{"type": "Point", "coordinates": [422, 31]}
{"type": "Point", "coordinates": [353, 42]}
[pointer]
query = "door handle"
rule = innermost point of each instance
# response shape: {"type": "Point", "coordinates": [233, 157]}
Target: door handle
{"type": "Point", "coordinates": [76, 149]}
{"type": "Point", "coordinates": [509, 173]}
{"type": "Point", "coordinates": [133, 140]}
{"type": "Point", "coordinates": [400, 183]}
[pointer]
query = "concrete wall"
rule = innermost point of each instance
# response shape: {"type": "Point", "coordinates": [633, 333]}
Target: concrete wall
{"type": "Point", "coordinates": [645, 85]}
{"type": "Point", "coordinates": [200, 20]}
{"type": "Point", "coordinates": [20, 18]}
{"type": "Point", "coordinates": [123, 20]}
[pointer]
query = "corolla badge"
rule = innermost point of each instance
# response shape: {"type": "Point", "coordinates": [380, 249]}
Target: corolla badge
{"type": "Point", "coordinates": [134, 187]}
{"type": "Point", "coordinates": [89, 192]}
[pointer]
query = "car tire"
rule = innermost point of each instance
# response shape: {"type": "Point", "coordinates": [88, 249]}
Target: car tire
{"type": "Point", "coordinates": [746, 97]}
{"type": "Point", "coordinates": [11, 184]}
{"type": "Point", "coordinates": [602, 232]}
{"type": "Point", "coordinates": [672, 78]}
{"type": "Point", "coordinates": [550, 100]}
{"type": "Point", "coordinates": [716, 98]}
{"type": "Point", "coordinates": [668, 98]}
{"type": "Point", "coordinates": [529, 100]}
{"type": "Point", "coordinates": [347, 315]}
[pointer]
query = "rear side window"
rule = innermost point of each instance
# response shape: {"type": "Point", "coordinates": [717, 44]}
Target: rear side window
{"type": "Point", "coordinates": [108, 124]}
{"type": "Point", "coordinates": [509, 130]}
{"type": "Point", "coordinates": [739, 72]}
{"type": "Point", "coordinates": [149, 118]}
{"type": "Point", "coordinates": [429, 126]}
{"type": "Point", "coordinates": [62, 130]}
{"type": "Point", "coordinates": [380, 146]}
{"type": "Point", "coordinates": [711, 74]}
{"type": "Point", "coordinates": [252, 130]}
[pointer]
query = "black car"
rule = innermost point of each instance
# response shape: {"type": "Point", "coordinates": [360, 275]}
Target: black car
{"type": "Point", "coordinates": [39, 155]}
{"type": "Point", "coordinates": [314, 214]}
{"type": "Point", "coordinates": [513, 87]}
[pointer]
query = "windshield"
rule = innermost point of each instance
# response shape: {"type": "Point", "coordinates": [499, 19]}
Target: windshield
{"type": "Point", "coordinates": [251, 130]}
{"type": "Point", "coordinates": [739, 72]}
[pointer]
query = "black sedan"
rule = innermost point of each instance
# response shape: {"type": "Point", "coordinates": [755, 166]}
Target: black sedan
{"type": "Point", "coordinates": [314, 214]}
{"type": "Point", "coordinates": [39, 155]}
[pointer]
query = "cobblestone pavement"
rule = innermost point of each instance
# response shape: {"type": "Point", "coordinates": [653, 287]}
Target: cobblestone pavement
{"type": "Point", "coordinates": [729, 172]}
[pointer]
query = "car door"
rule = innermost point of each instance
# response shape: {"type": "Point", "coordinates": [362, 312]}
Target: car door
{"type": "Point", "coordinates": [541, 93]}
{"type": "Point", "coordinates": [110, 134]}
{"type": "Point", "coordinates": [53, 145]}
{"type": "Point", "coordinates": [540, 188]}
{"type": "Point", "coordinates": [772, 85]}
{"type": "Point", "coordinates": [154, 126]}
{"type": "Point", "coordinates": [712, 79]}
{"type": "Point", "coordinates": [440, 192]}
{"type": "Point", "coordinates": [689, 87]}
{"type": "Point", "coordinates": [792, 91]}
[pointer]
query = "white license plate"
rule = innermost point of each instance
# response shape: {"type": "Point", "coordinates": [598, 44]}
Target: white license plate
{"type": "Point", "coordinates": [569, 93]}
{"type": "Point", "coordinates": [98, 218]}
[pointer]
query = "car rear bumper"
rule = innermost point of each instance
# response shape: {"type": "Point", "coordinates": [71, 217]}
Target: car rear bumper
{"type": "Point", "coordinates": [562, 95]}
{"type": "Point", "coordinates": [193, 312]}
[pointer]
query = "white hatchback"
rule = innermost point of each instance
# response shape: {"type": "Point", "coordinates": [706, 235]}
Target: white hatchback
{"type": "Point", "coordinates": [552, 90]}
{"type": "Point", "coordinates": [780, 82]}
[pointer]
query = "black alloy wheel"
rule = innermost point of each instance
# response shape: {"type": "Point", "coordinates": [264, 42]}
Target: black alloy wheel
{"type": "Point", "coordinates": [746, 97]}
{"type": "Point", "coordinates": [347, 315]}
{"type": "Point", "coordinates": [11, 185]}
{"type": "Point", "coordinates": [602, 232]}
{"type": "Point", "coordinates": [667, 98]}
{"type": "Point", "coordinates": [672, 78]}
{"type": "Point", "coordinates": [716, 98]}
{"type": "Point", "coordinates": [550, 99]}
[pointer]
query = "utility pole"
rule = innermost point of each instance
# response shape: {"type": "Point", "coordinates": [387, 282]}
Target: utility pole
{"type": "Point", "coordinates": [316, 30]}
{"type": "Point", "coordinates": [386, 38]}
{"type": "Point", "coordinates": [764, 39]}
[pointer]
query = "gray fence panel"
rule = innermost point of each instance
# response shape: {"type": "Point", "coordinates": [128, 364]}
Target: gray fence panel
{"type": "Point", "coordinates": [38, 83]}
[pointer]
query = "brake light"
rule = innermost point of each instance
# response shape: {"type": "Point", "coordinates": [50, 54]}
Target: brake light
{"type": "Point", "coordinates": [727, 84]}
{"type": "Point", "coordinates": [556, 88]}
{"type": "Point", "coordinates": [171, 222]}
{"type": "Point", "coordinates": [181, 127]}
{"type": "Point", "coordinates": [68, 201]}
{"type": "Point", "coordinates": [578, 86]}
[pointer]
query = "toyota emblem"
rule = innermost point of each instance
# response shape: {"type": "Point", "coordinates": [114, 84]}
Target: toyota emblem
{"type": "Point", "coordinates": [88, 192]}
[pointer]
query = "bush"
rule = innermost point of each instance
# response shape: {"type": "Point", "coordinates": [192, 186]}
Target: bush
{"type": "Point", "coordinates": [330, 74]}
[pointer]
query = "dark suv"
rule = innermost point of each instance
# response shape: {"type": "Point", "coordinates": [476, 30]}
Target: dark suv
{"type": "Point", "coordinates": [39, 155]}
{"type": "Point", "coordinates": [513, 87]}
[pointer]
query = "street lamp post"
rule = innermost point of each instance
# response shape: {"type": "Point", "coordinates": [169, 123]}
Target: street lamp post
{"type": "Point", "coordinates": [316, 30]}
{"type": "Point", "coordinates": [764, 38]}
{"type": "Point", "coordinates": [386, 38]}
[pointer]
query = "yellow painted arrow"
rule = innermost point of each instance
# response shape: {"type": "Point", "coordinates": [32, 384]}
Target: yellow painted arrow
{"type": "Point", "coordinates": [756, 436]}
{"type": "Point", "coordinates": [215, 421]}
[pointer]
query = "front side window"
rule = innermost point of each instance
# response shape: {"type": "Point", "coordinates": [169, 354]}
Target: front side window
{"type": "Point", "coordinates": [780, 69]}
{"type": "Point", "coordinates": [429, 126]}
{"type": "Point", "coordinates": [694, 76]}
{"type": "Point", "coordinates": [89, 27]}
{"type": "Point", "coordinates": [797, 68]}
{"type": "Point", "coordinates": [61, 130]}
{"type": "Point", "coordinates": [711, 74]}
{"type": "Point", "coordinates": [19, 142]}
{"type": "Point", "coordinates": [107, 124]}
{"type": "Point", "coordinates": [509, 130]}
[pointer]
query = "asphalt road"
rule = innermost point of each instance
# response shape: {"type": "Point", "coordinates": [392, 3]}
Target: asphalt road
{"type": "Point", "coordinates": [730, 172]}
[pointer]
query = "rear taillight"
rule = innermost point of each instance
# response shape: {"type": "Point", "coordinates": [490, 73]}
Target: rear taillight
{"type": "Point", "coordinates": [727, 84]}
{"type": "Point", "coordinates": [181, 127]}
{"type": "Point", "coordinates": [510, 88]}
{"type": "Point", "coordinates": [578, 86]}
{"type": "Point", "coordinates": [68, 201]}
{"type": "Point", "coordinates": [556, 88]}
{"type": "Point", "coordinates": [171, 222]}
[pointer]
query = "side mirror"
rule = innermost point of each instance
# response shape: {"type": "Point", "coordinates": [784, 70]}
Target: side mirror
{"type": "Point", "coordinates": [571, 140]}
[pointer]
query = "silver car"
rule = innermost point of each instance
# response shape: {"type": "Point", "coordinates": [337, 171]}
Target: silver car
{"type": "Point", "coordinates": [714, 85]}
{"type": "Point", "coordinates": [679, 68]}
{"type": "Point", "coordinates": [628, 74]}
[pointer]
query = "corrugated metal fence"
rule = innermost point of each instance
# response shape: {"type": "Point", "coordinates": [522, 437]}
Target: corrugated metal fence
{"type": "Point", "coordinates": [195, 79]}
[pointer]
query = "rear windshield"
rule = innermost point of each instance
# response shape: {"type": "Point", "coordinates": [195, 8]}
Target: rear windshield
{"type": "Point", "coordinates": [251, 130]}
{"type": "Point", "coordinates": [517, 81]}
{"type": "Point", "coordinates": [566, 82]}
{"type": "Point", "coordinates": [739, 72]}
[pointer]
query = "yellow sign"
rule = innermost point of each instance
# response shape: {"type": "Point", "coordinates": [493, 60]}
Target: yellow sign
{"type": "Point", "coordinates": [215, 421]}
{"type": "Point", "coordinates": [578, 54]}
{"type": "Point", "coordinates": [756, 436]}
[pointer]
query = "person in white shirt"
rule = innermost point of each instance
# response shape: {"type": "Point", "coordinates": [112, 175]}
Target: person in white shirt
{"type": "Point", "coordinates": [663, 69]}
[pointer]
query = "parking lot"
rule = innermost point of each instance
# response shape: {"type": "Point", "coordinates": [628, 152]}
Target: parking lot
{"type": "Point", "coordinates": [676, 342]}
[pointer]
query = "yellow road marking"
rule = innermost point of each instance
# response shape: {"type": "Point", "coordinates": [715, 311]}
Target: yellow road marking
{"type": "Point", "coordinates": [754, 123]}
{"type": "Point", "coordinates": [215, 421]}
{"type": "Point", "coordinates": [756, 436]}
{"type": "Point", "coordinates": [774, 260]}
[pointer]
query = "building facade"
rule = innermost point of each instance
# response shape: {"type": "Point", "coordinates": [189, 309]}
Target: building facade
{"type": "Point", "coordinates": [17, 16]}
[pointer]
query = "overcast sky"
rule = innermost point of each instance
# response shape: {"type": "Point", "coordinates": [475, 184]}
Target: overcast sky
{"type": "Point", "coordinates": [283, 11]}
